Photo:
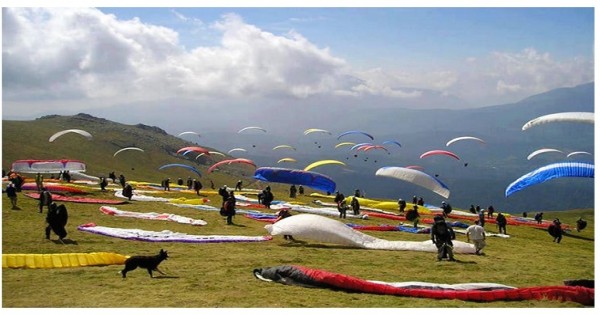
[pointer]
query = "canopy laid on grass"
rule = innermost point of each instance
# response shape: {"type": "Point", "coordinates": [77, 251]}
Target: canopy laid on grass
{"type": "Point", "coordinates": [167, 236]}
{"type": "Point", "coordinates": [323, 229]}
{"type": "Point", "coordinates": [63, 260]}
{"type": "Point", "coordinates": [151, 216]}
{"type": "Point", "coordinates": [474, 292]}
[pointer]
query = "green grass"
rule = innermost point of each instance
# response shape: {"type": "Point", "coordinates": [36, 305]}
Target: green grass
{"type": "Point", "coordinates": [220, 275]}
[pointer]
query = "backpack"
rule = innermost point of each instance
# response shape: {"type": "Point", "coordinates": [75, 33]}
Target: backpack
{"type": "Point", "coordinates": [441, 230]}
{"type": "Point", "coordinates": [411, 215]}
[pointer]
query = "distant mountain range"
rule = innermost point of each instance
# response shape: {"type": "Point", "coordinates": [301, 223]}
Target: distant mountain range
{"type": "Point", "coordinates": [479, 178]}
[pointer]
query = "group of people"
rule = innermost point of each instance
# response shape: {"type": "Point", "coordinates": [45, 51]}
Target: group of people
{"type": "Point", "coordinates": [343, 207]}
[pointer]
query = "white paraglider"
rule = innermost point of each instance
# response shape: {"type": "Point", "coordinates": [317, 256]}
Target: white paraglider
{"type": "Point", "coordinates": [578, 117]}
{"type": "Point", "coordinates": [77, 131]}
{"type": "Point", "coordinates": [416, 177]}
{"type": "Point", "coordinates": [323, 229]}
{"type": "Point", "coordinates": [540, 151]}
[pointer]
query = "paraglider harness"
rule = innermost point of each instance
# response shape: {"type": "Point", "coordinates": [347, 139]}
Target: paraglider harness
{"type": "Point", "coordinates": [227, 209]}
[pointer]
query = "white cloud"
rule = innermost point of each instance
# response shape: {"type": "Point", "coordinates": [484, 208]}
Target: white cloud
{"type": "Point", "coordinates": [84, 54]}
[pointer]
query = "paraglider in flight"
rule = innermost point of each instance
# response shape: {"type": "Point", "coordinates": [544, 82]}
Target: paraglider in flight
{"type": "Point", "coordinates": [251, 128]}
{"type": "Point", "coordinates": [191, 168]}
{"type": "Point", "coordinates": [287, 160]}
{"type": "Point", "coordinates": [354, 132]}
{"type": "Point", "coordinates": [189, 133]}
{"type": "Point", "coordinates": [193, 149]}
{"type": "Point", "coordinates": [464, 138]}
{"type": "Point", "coordinates": [360, 145]}
{"type": "Point", "coordinates": [77, 131]}
{"type": "Point", "coordinates": [415, 177]}
{"type": "Point", "coordinates": [128, 148]}
{"type": "Point", "coordinates": [284, 146]}
{"type": "Point", "coordinates": [294, 176]}
{"type": "Point", "coordinates": [545, 150]}
{"type": "Point", "coordinates": [217, 153]}
{"type": "Point", "coordinates": [391, 142]}
{"type": "Point", "coordinates": [578, 117]}
{"type": "Point", "coordinates": [236, 149]}
{"type": "Point", "coordinates": [578, 152]}
{"type": "Point", "coordinates": [343, 144]}
{"type": "Point", "coordinates": [311, 130]}
{"type": "Point", "coordinates": [551, 171]}
{"type": "Point", "coordinates": [239, 160]}
{"type": "Point", "coordinates": [323, 162]}
{"type": "Point", "coordinates": [415, 167]}
{"type": "Point", "coordinates": [438, 152]}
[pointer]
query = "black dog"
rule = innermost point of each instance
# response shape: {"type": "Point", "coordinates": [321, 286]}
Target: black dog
{"type": "Point", "coordinates": [149, 262]}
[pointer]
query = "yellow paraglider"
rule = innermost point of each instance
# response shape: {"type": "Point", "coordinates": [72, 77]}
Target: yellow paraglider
{"type": "Point", "coordinates": [323, 162]}
{"type": "Point", "coordinates": [343, 144]}
{"type": "Point", "coordinates": [63, 260]}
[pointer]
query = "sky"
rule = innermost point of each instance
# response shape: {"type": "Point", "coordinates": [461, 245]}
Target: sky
{"type": "Point", "coordinates": [66, 60]}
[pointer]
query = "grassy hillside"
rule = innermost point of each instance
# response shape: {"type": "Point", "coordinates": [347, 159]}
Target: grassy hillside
{"type": "Point", "coordinates": [29, 140]}
{"type": "Point", "coordinates": [220, 274]}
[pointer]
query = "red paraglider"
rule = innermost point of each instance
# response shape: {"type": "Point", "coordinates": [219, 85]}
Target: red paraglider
{"type": "Point", "coordinates": [438, 152]}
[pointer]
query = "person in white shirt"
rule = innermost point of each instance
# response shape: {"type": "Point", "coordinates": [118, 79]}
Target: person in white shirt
{"type": "Point", "coordinates": [476, 233]}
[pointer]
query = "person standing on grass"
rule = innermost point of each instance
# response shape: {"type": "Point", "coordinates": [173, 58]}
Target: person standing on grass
{"type": "Point", "coordinates": [501, 221]}
{"type": "Point", "coordinates": [197, 186]}
{"type": "Point", "coordinates": [401, 205]}
{"type": "Point", "coordinates": [476, 233]}
{"type": "Point", "coordinates": [11, 193]}
{"type": "Point", "coordinates": [39, 181]}
{"type": "Point", "coordinates": [45, 199]}
{"type": "Point", "coordinates": [490, 213]}
{"type": "Point", "coordinates": [229, 206]}
{"type": "Point", "coordinates": [293, 191]}
{"type": "Point", "coordinates": [555, 230]}
{"type": "Point", "coordinates": [442, 236]}
{"type": "Point", "coordinates": [267, 197]}
{"type": "Point", "coordinates": [481, 213]}
{"type": "Point", "coordinates": [355, 205]}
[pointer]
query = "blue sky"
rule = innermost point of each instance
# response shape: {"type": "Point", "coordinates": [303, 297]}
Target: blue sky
{"type": "Point", "coordinates": [90, 59]}
{"type": "Point", "coordinates": [400, 35]}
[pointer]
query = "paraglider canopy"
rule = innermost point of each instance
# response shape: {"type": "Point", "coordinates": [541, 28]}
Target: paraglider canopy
{"type": "Point", "coordinates": [294, 176]}
{"type": "Point", "coordinates": [77, 131]}
{"type": "Point", "coordinates": [540, 151]}
{"type": "Point", "coordinates": [191, 168]}
{"type": "Point", "coordinates": [323, 162]}
{"type": "Point", "coordinates": [47, 166]}
{"type": "Point", "coordinates": [126, 149]}
{"type": "Point", "coordinates": [548, 172]}
{"type": "Point", "coordinates": [415, 177]}
{"type": "Point", "coordinates": [439, 152]}
{"type": "Point", "coordinates": [193, 149]}
{"type": "Point", "coordinates": [355, 132]}
{"type": "Point", "coordinates": [463, 138]}
{"type": "Point", "coordinates": [578, 117]}
{"type": "Point", "coordinates": [252, 128]}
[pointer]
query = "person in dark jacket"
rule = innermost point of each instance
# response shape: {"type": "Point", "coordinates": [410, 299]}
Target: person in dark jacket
{"type": "Point", "coordinates": [490, 213]}
{"type": "Point", "coordinates": [555, 230]}
{"type": "Point", "coordinates": [581, 224]}
{"type": "Point", "coordinates": [267, 197]}
{"type": "Point", "coordinates": [293, 191]}
{"type": "Point", "coordinates": [446, 209]}
{"type": "Point", "coordinates": [189, 182]}
{"type": "Point", "coordinates": [355, 205]}
{"type": "Point", "coordinates": [442, 236]}
{"type": "Point", "coordinates": [401, 205]}
{"type": "Point", "coordinates": [197, 186]}
{"type": "Point", "coordinates": [413, 215]}
{"type": "Point", "coordinates": [223, 193]}
{"type": "Point", "coordinates": [229, 206]}
{"type": "Point", "coordinates": [128, 191]}
{"type": "Point", "coordinates": [301, 190]}
{"type": "Point", "coordinates": [501, 221]}
{"type": "Point", "coordinates": [57, 218]}
{"type": "Point", "coordinates": [11, 193]}
{"type": "Point", "coordinates": [45, 199]}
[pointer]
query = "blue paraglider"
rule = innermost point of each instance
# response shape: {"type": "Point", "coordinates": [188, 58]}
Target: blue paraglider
{"type": "Point", "coordinates": [191, 168]}
{"type": "Point", "coordinates": [294, 176]}
{"type": "Point", "coordinates": [548, 172]}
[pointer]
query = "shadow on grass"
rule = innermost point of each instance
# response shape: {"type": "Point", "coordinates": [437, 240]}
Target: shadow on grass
{"type": "Point", "coordinates": [65, 241]}
{"type": "Point", "coordinates": [305, 244]}
{"type": "Point", "coordinates": [165, 277]}
{"type": "Point", "coordinates": [578, 237]}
